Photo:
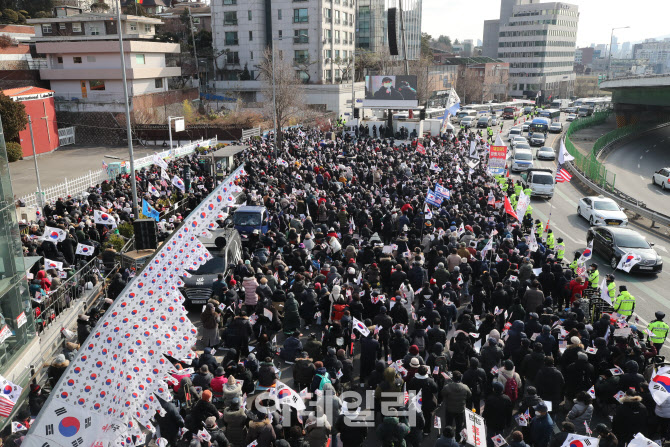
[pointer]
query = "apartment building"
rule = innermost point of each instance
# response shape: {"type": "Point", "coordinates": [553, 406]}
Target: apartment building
{"type": "Point", "coordinates": [538, 41]}
{"type": "Point", "coordinates": [316, 36]}
{"type": "Point", "coordinates": [83, 62]}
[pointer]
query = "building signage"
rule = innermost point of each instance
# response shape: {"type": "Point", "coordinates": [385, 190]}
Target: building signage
{"type": "Point", "coordinates": [43, 95]}
{"type": "Point", "coordinates": [5, 333]}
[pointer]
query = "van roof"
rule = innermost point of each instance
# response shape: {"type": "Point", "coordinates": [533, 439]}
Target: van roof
{"type": "Point", "coordinates": [249, 209]}
{"type": "Point", "coordinates": [522, 150]}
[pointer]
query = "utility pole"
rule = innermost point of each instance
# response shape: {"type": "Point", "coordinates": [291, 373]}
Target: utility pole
{"type": "Point", "coordinates": [37, 171]}
{"type": "Point", "coordinates": [402, 35]}
{"type": "Point", "coordinates": [353, 80]}
{"type": "Point", "coordinates": [129, 131]}
{"type": "Point", "coordinates": [274, 100]}
{"type": "Point", "coordinates": [195, 53]}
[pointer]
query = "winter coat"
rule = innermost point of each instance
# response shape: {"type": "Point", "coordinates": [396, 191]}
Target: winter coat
{"type": "Point", "coordinates": [428, 389]}
{"type": "Point", "coordinates": [391, 432]}
{"type": "Point", "coordinates": [541, 429]}
{"type": "Point", "coordinates": [316, 433]}
{"type": "Point", "coordinates": [170, 423]}
{"type": "Point", "coordinates": [262, 432]}
{"type": "Point", "coordinates": [291, 320]}
{"type": "Point", "coordinates": [455, 396]}
{"type": "Point", "coordinates": [513, 343]}
{"type": "Point", "coordinates": [236, 426]}
{"type": "Point", "coordinates": [231, 390]}
{"type": "Point", "coordinates": [579, 414]}
{"type": "Point", "coordinates": [549, 383]}
{"type": "Point", "coordinates": [630, 419]}
{"type": "Point", "coordinates": [201, 411]}
{"type": "Point", "coordinates": [250, 284]}
{"type": "Point", "coordinates": [497, 412]}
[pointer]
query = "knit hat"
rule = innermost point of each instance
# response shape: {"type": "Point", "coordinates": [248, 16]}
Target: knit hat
{"type": "Point", "coordinates": [414, 350]}
{"type": "Point", "coordinates": [210, 422]}
{"type": "Point", "coordinates": [206, 395]}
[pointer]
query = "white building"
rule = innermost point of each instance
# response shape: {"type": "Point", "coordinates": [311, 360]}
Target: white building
{"type": "Point", "coordinates": [492, 27]}
{"type": "Point", "coordinates": [655, 54]}
{"type": "Point", "coordinates": [317, 36]}
{"type": "Point", "coordinates": [538, 40]}
{"type": "Point", "coordinates": [83, 63]}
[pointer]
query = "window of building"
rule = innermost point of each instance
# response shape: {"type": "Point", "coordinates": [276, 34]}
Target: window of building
{"type": "Point", "coordinates": [233, 57]}
{"type": "Point", "coordinates": [251, 36]}
{"type": "Point", "coordinates": [46, 28]}
{"type": "Point", "coordinates": [95, 31]}
{"type": "Point", "coordinates": [147, 27]}
{"type": "Point", "coordinates": [61, 26]}
{"type": "Point", "coordinates": [327, 13]}
{"type": "Point", "coordinates": [251, 55]}
{"type": "Point", "coordinates": [344, 54]}
{"type": "Point", "coordinates": [301, 56]}
{"type": "Point", "coordinates": [231, 38]}
{"type": "Point", "coordinates": [158, 82]}
{"type": "Point", "coordinates": [230, 18]}
{"type": "Point", "coordinates": [300, 36]}
{"type": "Point", "coordinates": [337, 16]}
{"type": "Point", "coordinates": [302, 75]}
{"type": "Point", "coordinates": [76, 59]}
{"type": "Point", "coordinates": [279, 16]}
{"type": "Point", "coordinates": [59, 59]}
{"type": "Point", "coordinates": [249, 15]}
{"type": "Point", "coordinates": [337, 36]}
{"type": "Point", "coordinates": [97, 85]}
{"type": "Point", "coordinates": [281, 55]}
{"type": "Point", "coordinates": [327, 54]}
{"type": "Point", "coordinates": [139, 59]}
{"type": "Point", "coordinates": [196, 20]}
{"type": "Point", "coordinates": [328, 74]}
{"type": "Point", "coordinates": [90, 58]}
{"type": "Point", "coordinates": [230, 2]}
{"type": "Point", "coordinates": [133, 26]}
{"type": "Point", "coordinates": [280, 34]}
{"type": "Point", "coordinates": [300, 15]}
{"type": "Point", "coordinates": [76, 27]}
{"type": "Point", "coordinates": [337, 54]}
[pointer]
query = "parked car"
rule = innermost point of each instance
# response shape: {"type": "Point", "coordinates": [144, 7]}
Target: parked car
{"type": "Point", "coordinates": [556, 127]}
{"type": "Point", "coordinates": [226, 248]}
{"type": "Point", "coordinates": [613, 243]}
{"type": "Point", "coordinates": [545, 153]}
{"type": "Point", "coordinates": [662, 177]}
{"type": "Point", "coordinates": [600, 210]}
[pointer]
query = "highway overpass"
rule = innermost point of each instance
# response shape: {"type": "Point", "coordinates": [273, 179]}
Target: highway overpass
{"type": "Point", "coordinates": [640, 98]}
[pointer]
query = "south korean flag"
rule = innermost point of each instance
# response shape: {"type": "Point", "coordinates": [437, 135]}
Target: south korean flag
{"type": "Point", "coordinates": [659, 385]}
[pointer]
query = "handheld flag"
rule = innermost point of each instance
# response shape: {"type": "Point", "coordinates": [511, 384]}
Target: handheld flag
{"type": "Point", "coordinates": [574, 440]}
{"type": "Point", "coordinates": [179, 183]}
{"type": "Point", "coordinates": [150, 211]}
{"type": "Point", "coordinates": [628, 261]}
{"type": "Point", "coordinates": [509, 210]}
{"type": "Point", "coordinates": [532, 241]}
{"type": "Point", "coordinates": [417, 401]}
{"type": "Point", "coordinates": [432, 199]}
{"type": "Point", "coordinates": [9, 394]}
{"type": "Point", "coordinates": [563, 176]}
{"type": "Point", "coordinates": [659, 385]}
{"type": "Point", "coordinates": [86, 250]}
{"type": "Point", "coordinates": [360, 327]}
{"type": "Point", "coordinates": [420, 149]}
{"type": "Point", "coordinates": [427, 213]}
{"type": "Point", "coordinates": [487, 247]}
{"type": "Point", "coordinates": [54, 234]}
{"type": "Point", "coordinates": [563, 155]}
{"type": "Point", "coordinates": [153, 191]}
{"type": "Point", "coordinates": [49, 264]}
{"type": "Point", "coordinates": [604, 293]}
{"type": "Point", "coordinates": [586, 254]}
{"type": "Point", "coordinates": [103, 218]}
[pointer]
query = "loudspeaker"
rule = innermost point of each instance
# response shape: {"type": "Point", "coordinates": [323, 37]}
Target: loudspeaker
{"type": "Point", "coordinates": [393, 39]}
{"type": "Point", "coordinates": [422, 114]}
{"type": "Point", "coordinates": [357, 113]}
{"type": "Point", "coordinates": [146, 236]}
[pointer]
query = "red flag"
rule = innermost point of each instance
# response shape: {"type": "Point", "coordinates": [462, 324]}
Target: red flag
{"type": "Point", "coordinates": [508, 208]}
{"type": "Point", "coordinates": [420, 149]}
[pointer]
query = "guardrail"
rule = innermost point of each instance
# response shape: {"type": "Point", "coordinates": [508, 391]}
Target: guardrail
{"type": "Point", "coordinates": [625, 201]}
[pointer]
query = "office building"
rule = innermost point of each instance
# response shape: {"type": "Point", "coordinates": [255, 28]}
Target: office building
{"type": "Point", "coordinates": [83, 63]}
{"type": "Point", "coordinates": [316, 36]}
{"type": "Point", "coordinates": [625, 50]}
{"type": "Point", "coordinates": [492, 27]}
{"type": "Point", "coordinates": [372, 26]}
{"type": "Point", "coordinates": [655, 54]}
{"type": "Point", "coordinates": [538, 41]}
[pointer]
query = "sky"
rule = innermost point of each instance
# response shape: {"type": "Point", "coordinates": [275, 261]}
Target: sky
{"type": "Point", "coordinates": [464, 19]}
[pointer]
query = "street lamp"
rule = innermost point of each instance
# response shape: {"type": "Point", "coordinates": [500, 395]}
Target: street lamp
{"type": "Point", "coordinates": [129, 131]}
{"type": "Point", "coordinates": [609, 59]}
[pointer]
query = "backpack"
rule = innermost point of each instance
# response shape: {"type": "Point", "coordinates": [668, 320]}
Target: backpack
{"type": "Point", "coordinates": [512, 389]}
{"type": "Point", "coordinates": [324, 380]}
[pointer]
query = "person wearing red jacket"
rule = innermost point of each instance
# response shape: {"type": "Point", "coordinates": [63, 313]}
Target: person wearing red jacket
{"type": "Point", "coordinates": [576, 287]}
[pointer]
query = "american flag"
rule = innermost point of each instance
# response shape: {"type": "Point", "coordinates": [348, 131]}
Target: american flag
{"type": "Point", "coordinates": [562, 175]}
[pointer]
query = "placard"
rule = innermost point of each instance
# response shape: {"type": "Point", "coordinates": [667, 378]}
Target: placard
{"type": "Point", "coordinates": [21, 320]}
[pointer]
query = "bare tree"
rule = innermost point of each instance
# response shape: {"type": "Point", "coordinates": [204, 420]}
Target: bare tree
{"type": "Point", "coordinates": [421, 69]}
{"type": "Point", "coordinates": [469, 86]}
{"type": "Point", "coordinates": [289, 99]}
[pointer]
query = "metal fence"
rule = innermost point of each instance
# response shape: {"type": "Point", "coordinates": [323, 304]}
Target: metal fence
{"type": "Point", "coordinates": [589, 164]}
{"type": "Point", "coordinates": [75, 187]}
{"type": "Point", "coordinates": [48, 308]}
{"type": "Point", "coordinates": [66, 136]}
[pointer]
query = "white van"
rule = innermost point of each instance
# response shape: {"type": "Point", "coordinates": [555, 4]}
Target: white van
{"type": "Point", "coordinates": [514, 132]}
{"type": "Point", "coordinates": [522, 160]}
{"type": "Point", "coordinates": [540, 182]}
{"type": "Point", "coordinates": [463, 113]}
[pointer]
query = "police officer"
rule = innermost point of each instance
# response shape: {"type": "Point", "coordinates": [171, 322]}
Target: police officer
{"type": "Point", "coordinates": [539, 230]}
{"type": "Point", "coordinates": [490, 133]}
{"type": "Point", "coordinates": [518, 188]}
{"type": "Point", "coordinates": [575, 263]}
{"type": "Point", "coordinates": [551, 242]}
{"type": "Point", "coordinates": [625, 303]}
{"type": "Point", "coordinates": [560, 249]}
{"type": "Point", "coordinates": [611, 287]}
{"type": "Point", "coordinates": [593, 275]}
{"type": "Point", "coordinates": [660, 330]}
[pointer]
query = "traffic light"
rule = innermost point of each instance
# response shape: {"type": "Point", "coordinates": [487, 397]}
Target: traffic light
{"type": "Point", "coordinates": [357, 112]}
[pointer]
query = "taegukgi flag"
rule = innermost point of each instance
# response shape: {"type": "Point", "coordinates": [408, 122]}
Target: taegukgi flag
{"type": "Point", "coordinates": [86, 250]}
{"type": "Point", "coordinates": [103, 218]}
{"type": "Point", "coordinates": [54, 234]}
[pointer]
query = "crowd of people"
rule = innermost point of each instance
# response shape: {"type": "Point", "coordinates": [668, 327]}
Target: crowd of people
{"type": "Point", "coordinates": [363, 288]}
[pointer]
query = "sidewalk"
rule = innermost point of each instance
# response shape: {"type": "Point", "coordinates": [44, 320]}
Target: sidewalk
{"type": "Point", "coordinates": [584, 139]}
{"type": "Point", "coordinates": [69, 162]}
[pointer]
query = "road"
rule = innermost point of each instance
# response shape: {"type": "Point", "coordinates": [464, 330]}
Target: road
{"type": "Point", "coordinates": [649, 290]}
{"type": "Point", "coordinates": [636, 161]}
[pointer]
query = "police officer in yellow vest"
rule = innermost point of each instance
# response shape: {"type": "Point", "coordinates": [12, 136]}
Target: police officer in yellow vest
{"type": "Point", "coordinates": [539, 229]}
{"type": "Point", "coordinates": [611, 287]}
{"type": "Point", "coordinates": [560, 249]}
{"type": "Point", "coordinates": [660, 330]}
{"type": "Point", "coordinates": [527, 191]}
{"type": "Point", "coordinates": [551, 242]}
{"type": "Point", "coordinates": [490, 133]}
{"type": "Point", "coordinates": [593, 275]}
{"type": "Point", "coordinates": [625, 303]}
{"type": "Point", "coordinates": [518, 188]}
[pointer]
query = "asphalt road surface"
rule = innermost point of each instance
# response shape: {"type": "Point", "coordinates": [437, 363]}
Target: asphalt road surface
{"type": "Point", "coordinates": [635, 162]}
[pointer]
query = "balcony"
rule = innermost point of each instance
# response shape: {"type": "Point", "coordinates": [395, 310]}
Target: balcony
{"type": "Point", "coordinates": [300, 19]}
{"type": "Point", "coordinates": [301, 39]}
{"type": "Point", "coordinates": [337, 21]}
{"type": "Point", "coordinates": [345, 42]}
{"type": "Point", "coordinates": [233, 61]}
{"type": "Point", "coordinates": [345, 23]}
{"type": "Point", "coordinates": [337, 41]}
{"type": "Point", "coordinates": [327, 40]}
{"type": "Point", "coordinates": [230, 22]}
{"type": "Point", "coordinates": [232, 42]}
